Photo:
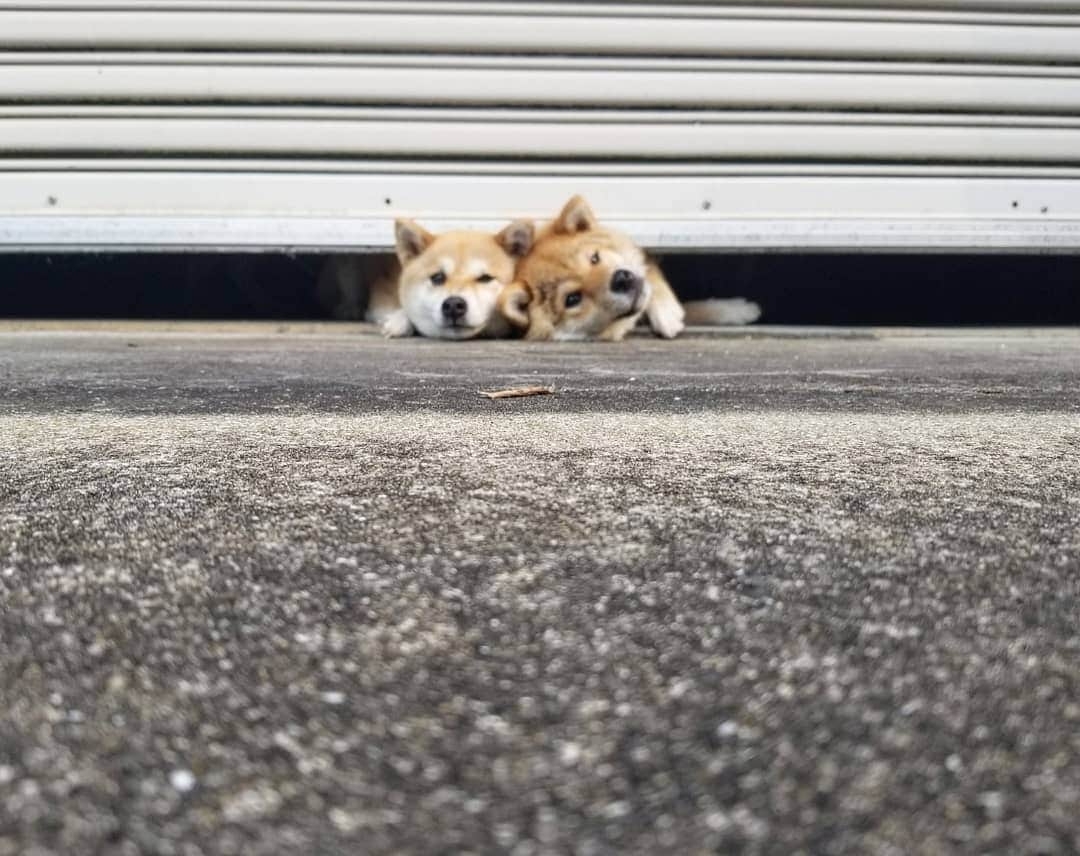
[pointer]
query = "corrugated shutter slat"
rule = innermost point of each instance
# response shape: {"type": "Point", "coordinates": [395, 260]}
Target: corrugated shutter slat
{"type": "Point", "coordinates": [649, 107]}
{"type": "Point", "coordinates": [662, 35]}
{"type": "Point", "coordinates": [729, 85]}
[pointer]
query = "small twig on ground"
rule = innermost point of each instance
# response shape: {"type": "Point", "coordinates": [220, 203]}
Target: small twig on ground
{"type": "Point", "coordinates": [519, 392]}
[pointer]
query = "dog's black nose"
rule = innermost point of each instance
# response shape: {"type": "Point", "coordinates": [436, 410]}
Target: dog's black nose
{"type": "Point", "coordinates": [624, 281]}
{"type": "Point", "coordinates": [454, 308]}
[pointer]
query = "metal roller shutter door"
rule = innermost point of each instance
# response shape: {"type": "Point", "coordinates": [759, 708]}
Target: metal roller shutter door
{"type": "Point", "coordinates": [947, 124]}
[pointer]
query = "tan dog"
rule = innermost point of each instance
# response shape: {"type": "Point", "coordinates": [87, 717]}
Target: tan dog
{"type": "Point", "coordinates": [583, 281]}
{"type": "Point", "coordinates": [443, 286]}
{"type": "Point", "coordinates": [450, 284]}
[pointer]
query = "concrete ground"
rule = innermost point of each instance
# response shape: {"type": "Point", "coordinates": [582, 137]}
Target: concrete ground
{"type": "Point", "coordinates": [295, 589]}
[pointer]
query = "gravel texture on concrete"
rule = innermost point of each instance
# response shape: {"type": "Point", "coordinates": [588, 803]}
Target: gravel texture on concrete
{"type": "Point", "coordinates": [308, 593]}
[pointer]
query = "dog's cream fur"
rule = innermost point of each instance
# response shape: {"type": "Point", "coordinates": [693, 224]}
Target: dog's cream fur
{"type": "Point", "coordinates": [581, 280]}
{"type": "Point", "coordinates": [470, 266]}
{"type": "Point", "coordinates": [576, 280]}
{"type": "Point", "coordinates": [565, 285]}
{"type": "Point", "coordinates": [407, 294]}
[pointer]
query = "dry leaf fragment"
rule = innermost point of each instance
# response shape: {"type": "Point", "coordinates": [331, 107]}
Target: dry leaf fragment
{"type": "Point", "coordinates": [519, 392]}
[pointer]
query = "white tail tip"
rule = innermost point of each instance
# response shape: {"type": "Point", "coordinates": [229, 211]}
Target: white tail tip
{"type": "Point", "coordinates": [715, 312]}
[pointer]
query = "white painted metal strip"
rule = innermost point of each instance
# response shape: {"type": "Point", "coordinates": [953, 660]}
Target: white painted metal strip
{"type": "Point", "coordinates": [315, 235]}
{"type": "Point", "coordinates": [906, 10]}
{"type": "Point", "coordinates": [518, 168]}
{"type": "Point", "coordinates": [793, 35]}
{"type": "Point", "coordinates": [736, 88]}
{"type": "Point", "coordinates": [621, 6]}
{"type": "Point", "coordinates": [640, 197]}
{"type": "Point", "coordinates": [522, 62]}
{"type": "Point", "coordinates": [524, 115]}
{"type": "Point", "coordinates": [211, 198]}
{"type": "Point", "coordinates": [990, 142]}
{"type": "Point", "coordinates": [903, 11]}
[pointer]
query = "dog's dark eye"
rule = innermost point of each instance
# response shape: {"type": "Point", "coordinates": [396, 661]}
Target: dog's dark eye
{"type": "Point", "coordinates": [438, 278]}
{"type": "Point", "coordinates": [595, 258]}
{"type": "Point", "coordinates": [485, 277]}
{"type": "Point", "coordinates": [573, 299]}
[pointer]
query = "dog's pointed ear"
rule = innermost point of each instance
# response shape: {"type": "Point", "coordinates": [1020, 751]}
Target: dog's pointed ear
{"type": "Point", "coordinates": [576, 216]}
{"type": "Point", "coordinates": [410, 240]}
{"type": "Point", "coordinates": [517, 238]}
{"type": "Point", "coordinates": [514, 302]}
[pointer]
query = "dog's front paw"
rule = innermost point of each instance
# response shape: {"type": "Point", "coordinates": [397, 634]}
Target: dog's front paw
{"type": "Point", "coordinates": [397, 325]}
{"type": "Point", "coordinates": [666, 318]}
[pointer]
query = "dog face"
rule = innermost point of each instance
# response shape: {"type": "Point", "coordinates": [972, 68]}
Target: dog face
{"type": "Point", "coordinates": [450, 283]}
{"type": "Point", "coordinates": [577, 280]}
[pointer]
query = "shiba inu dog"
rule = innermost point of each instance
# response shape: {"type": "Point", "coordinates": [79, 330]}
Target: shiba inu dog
{"type": "Point", "coordinates": [450, 284]}
{"type": "Point", "coordinates": [442, 286]}
{"type": "Point", "coordinates": [583, 281]}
